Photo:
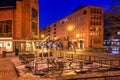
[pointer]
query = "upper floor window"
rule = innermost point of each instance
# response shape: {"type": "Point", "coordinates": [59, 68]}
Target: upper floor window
{"type": "Point", "coordinates": [54, 32]}
{"type": "Point", "coordinates": [0, 27]}
{"type": "Point", "coordinates": [96, 10]}
{"type": "Point", "coordinates": [54, 25]}
{"type": "Point", "coordinates": [34, 13]}
{"type": "Point", "coordinates": [85, 12]}
{"type": "Point", "coordinates": [48, 30]}
{"type": "Point", "coordinates": [35, 1]}
{"type": "Point", "coordinates": [95, 17]}
{"type": "Point", "coordinates": [54, 28]}
{"type": "Point", "coordinates": [95, 23]}
{"type": "Point", "coordinates": [34, 28]}
{"type": "Point", "coordinates": [6, 26]}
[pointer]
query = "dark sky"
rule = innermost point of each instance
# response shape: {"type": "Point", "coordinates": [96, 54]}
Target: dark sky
{"type": "Point", "coordinates": [7, 3]}
{"type": "Point", "coordinates": [53, 10]}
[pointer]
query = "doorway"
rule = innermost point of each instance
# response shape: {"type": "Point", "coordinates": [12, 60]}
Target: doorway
{"type": "Point", "coordinates": [81, 44]}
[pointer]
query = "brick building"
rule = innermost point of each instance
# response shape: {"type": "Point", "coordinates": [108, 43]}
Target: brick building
{"type": "Point", "coordinates": [18, 21]}
{"type": "Point", "coordinates": [84, 27]}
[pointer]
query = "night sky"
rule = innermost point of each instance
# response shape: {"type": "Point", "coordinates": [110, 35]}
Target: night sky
{"type": "Point", "coordinates": [53, 10]}
{"type": "Point", "coordinates": [7, 3]}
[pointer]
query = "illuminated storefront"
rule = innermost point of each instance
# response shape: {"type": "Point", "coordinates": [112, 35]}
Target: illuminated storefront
{"type": "Point", "coordinates": [113, 45]}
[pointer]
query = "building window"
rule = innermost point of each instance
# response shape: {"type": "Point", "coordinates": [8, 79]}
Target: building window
{"type": "Point", "coordinates": [96, 34]}
{"type": "Point", "coordinates": [94, 10]}
{"type": "Point", "coordinates": [100, 11]}
{"type": "Point", "coordinates": [97, 23]}
{"type": "Point", "coordinates": [90, 34]}
{"type": "Point", "coordinates": [91, 17]}
{"type": "Point", "coordinates": [85, 12]}
{"type": "Point", "coordinates": [54, 25]}
{"type": "Point", "coordinates": [91, 10]}
{"type": "Point", "coordinates": [96, 17]}
{"type": "Point", "coordinates": [100, 23]}
{"type": "Point", "coordinates": [54, 32]}
{"type": "Point", "coordinates": [8, 26]}
{"type": "Point", "coordinates": [96, 28]}
{"type": "Point", "coordinates": [91, 43]}
{"type": "Point", "coordinates": [83, 34]}
{"type": "Point", "coordinates": [0, 27]}
{"type": "Point", "coordinates": [91, 23]}
{"type": "Point", "coordinates": [35, 1]}
{"type": "Point", "coordinates": [62, 22]}
{"type": "Point", "coordinates": [54, 28]}
{"type": "Point", "coordinates": [90, 28]}
{"type": "Point", "coordinates": [34, 13]}
{"type": "Point", "coordinates": [97, 11]}
{"type": "Point", "coordinates": [34, 28]}
{"type": "Point", "coordinates": [100, 17]}
{"type": "Point", "coordinates": [48, 30]}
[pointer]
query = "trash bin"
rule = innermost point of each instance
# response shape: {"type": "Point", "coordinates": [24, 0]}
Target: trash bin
{"type": "Point", "coordinates": [4, 53]}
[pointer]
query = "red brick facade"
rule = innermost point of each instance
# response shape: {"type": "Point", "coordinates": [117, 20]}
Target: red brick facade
{"type": "Point", "coordinates": [86, 28]}
{"type": "Point", "coordinates": [25, 19]}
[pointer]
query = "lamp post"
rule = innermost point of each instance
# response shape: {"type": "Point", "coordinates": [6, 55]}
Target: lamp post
{"type": "Point", "coordinates": [70, 28]}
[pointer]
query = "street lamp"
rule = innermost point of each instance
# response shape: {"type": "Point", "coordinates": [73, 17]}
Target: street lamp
{"type": "Point", "coordinates": [42, 36]}
{"type": "Point", "coordinates": [77, 35]}
{"type": "Point", "coordinates": [55, 38]}
{"type": "Point", "coordinates": [70, 28]}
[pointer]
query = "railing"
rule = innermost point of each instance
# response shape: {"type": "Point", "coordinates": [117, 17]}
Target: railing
{"type": "Point", "coordinates": [101, 59]}
{"type": "Point", "coordinates": [108, 77]}
{"type": "Point", "coordinates": [112, 71]}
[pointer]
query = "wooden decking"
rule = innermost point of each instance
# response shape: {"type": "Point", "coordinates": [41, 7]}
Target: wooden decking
{"type": "Point", "coordinates": [7, 70]}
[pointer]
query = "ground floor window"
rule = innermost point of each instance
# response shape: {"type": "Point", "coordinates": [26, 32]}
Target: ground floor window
{"type": "Point", "coordinates": [6, 46]}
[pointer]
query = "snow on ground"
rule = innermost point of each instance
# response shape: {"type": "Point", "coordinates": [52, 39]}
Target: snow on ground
{"type": "Point", "coordinates": [24, 73]}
